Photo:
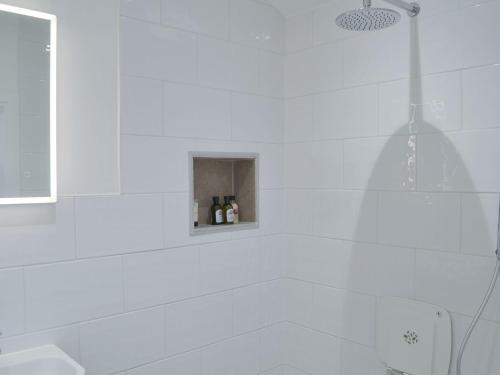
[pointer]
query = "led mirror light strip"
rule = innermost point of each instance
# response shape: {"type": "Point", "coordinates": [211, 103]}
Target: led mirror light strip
{"type": "Point", "coordinates": [53, 106]}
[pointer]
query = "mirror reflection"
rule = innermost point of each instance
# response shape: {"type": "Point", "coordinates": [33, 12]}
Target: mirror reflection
{"type": "Point", "coordinates": [25, 58]}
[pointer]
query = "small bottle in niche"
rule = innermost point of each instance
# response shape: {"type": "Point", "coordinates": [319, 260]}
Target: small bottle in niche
{"type": "Point", "coordinates": [217, 216]}
{"type": "Point", "coordinates": [236, 209]}
{"type": "Point", "coordinates": [228, 211]}
{"type": "Point", "coordinates": [195, 212]}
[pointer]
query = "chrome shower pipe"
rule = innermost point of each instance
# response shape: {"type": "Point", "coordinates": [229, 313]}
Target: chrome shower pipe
{"type": "Point", "coordinates": [413, 9]}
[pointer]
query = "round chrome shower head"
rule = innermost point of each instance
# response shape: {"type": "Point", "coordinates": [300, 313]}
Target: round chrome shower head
{"type": "Point", "coordinates": [367, 19]}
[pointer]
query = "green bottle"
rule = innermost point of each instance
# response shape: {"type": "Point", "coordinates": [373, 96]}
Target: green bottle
{"type": "Point", "coordinates": [228, 211]}
{"type": "Point", "coordinates": [217, 215]}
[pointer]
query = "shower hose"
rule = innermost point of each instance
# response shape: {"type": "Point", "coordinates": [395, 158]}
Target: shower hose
{"type": "Point", "coordinates": [478, 316]}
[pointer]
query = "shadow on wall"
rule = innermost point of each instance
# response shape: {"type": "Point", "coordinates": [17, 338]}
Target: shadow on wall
{"type": "Point", "coordinates": [414, 180]}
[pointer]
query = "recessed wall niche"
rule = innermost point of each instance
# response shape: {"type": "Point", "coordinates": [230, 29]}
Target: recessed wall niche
{"type": "Point", "coordinates": [220, 175]}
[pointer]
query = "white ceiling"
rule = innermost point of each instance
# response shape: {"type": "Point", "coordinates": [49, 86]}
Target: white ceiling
{"type": "Point", "coordinates": [291, 7]}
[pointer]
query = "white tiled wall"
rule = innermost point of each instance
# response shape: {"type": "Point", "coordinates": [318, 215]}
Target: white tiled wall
{"type": "Point", "coordinates": [117, 281]}
{"type": "Point", "coordinates": [391, 171]}
{"type": "Point", "coordinates": [385, 184]}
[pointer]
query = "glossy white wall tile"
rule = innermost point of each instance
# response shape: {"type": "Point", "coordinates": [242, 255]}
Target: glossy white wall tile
{"type": "Point", "coordinates": [248, 308]}
{"type": "Point", "coordinates": [299, 119]}
{"type": "Point", "coordinates": [155, 51]}
{"type": "Point", "coordinates": [201, 16]}
{"type": "Point", "coordinates": [152, 279]}
{"type": "Point", "coordinates": [196, 323]}
{"type": "Point", "coordinates": [316, 352]}
{"type": "Point", "coordinates": [424, 220]}
{"type": "Point", "coordinates": [479, 223]}
{"type": "Point", "coordinates": [114, 225]}
{"type": "Point", "coordinates": [344, 214]}
{"type": "Point", "coordinates": [122, 342]}
{"type": "Point", "coordinates": [229, 265]}
{"type": "Point", "coordinates": [64, 293]}
{"type": "Point", "coordinates": [239, 355]}
{"type": "Point", "coordinates": [380, 163]}
{"type": "Point", "coordinates": [481, 97]}
{"type": "Point", "coordinates": [141, 106]}
{"type": "Point", "coordinates": [377, 279]}
{"type": "Point", "coordinates": [257, 25]}
{"type": "Point", "coordinates": [459, 162]}
{"type": "Point", "coordinates": [195, 112]}
{"type": "Point", "coordinates": [428, 105]}
{"type": "Point", "coordinates": [154, 164]}
{"type": "Point", "coordinates": [227, 65]}
{"type": "Point", "coordinates": [256, 118]}
{"type": "Point", "coordinates": [313, 70]}
{"type": "Point", "coordinates": [344, 314]}
{"type": "Point", "coordinates": [456, 282]}
{"type": "Point", "coordinates": [358, 359]}
{"type": "Point", "coordinates": [298, 211]}
{"type": "Point", "coordinates": [271, 74]}
{"type": "Point", "coordinates": [319, 260]}
{"type": "Point", "coordinates": [346, 113]}
{"type": "Point", "coordinates": [299, 32]}
{"type": "Point", "coordinates": [147, 10]}
{"type": "Point", "coordinates": [12, 302]}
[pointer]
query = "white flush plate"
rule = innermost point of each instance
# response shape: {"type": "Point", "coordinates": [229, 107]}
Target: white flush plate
{"type": "Point", "coordinates": [414, 337]}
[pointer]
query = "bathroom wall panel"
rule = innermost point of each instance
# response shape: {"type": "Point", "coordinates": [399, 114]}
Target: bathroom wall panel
{"type": "Point", "coordinates": [195, 112]}
{"type": "Point", "coordinates": [141, 106]}
{"type": "Point", "coordinates": [272, 74]}
{"type": "Point", "coordinates": [106, 225]}
{"type": "Point", "coordinates": [314, 70]}
{"type": "Point", "coordinates": [12, 300]}
{"type": "Point", "coordinates": [209, 17]}
{"type": "Point", "coordinates": [481, 97]}
{"type": "Point", "coordinates": [238, 355]}
{"type": "Point", "coordinates": [299, 32]}
{"type": "Point", "coordinates": [118, 343]}
{"type": "Point", "coordinates": [156, 51]}
{"type": "Point", "coordinates": [177, 84]}
{"type": "Point", "coordinates": [196, 323]}
{"type": "Point", "coordinates": [420, 175]}
{"type": "Point", "coordinates": [257, 25]}
{"type": "Point", "coordinates": [70, 292]}
{"type": "Point", "coordinates": [147, 10]}
{"type": "Point", "coordinates": [228, 66]}
{"type": "Point", "coordinates": [156, 278]}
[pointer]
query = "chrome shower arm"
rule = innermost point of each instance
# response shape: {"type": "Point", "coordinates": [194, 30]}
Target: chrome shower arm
{"type": "Point", "coordinates": [412, 9]}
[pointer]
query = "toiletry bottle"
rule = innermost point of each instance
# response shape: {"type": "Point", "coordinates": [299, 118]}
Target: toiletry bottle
{"type": "Point", "coordinates": [217, 216]}
{"type": "Point", "coordinates": [228, 211]}
{"type": "Point", "coordinates": [195, 212]}
{"type": "Point", "coordinates": [236, 209]}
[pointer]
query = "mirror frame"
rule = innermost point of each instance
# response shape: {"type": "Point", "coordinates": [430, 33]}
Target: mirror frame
{"type": "Point", "coordinates": [53, 106]}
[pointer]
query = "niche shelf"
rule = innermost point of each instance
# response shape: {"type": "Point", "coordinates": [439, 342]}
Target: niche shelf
{"type": "Point", "coordinates": [220, 174]}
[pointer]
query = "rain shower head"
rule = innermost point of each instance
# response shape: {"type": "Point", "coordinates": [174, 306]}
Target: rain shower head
{"type": "Point", "coordinates": [368, 18]}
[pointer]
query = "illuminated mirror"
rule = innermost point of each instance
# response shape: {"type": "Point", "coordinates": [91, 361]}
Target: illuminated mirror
{"type": "Point", "coordinates": [27, 106]}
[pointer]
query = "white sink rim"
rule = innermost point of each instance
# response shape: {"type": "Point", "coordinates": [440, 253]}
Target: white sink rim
{"type": "Point", "coordinates": [39, 353]}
